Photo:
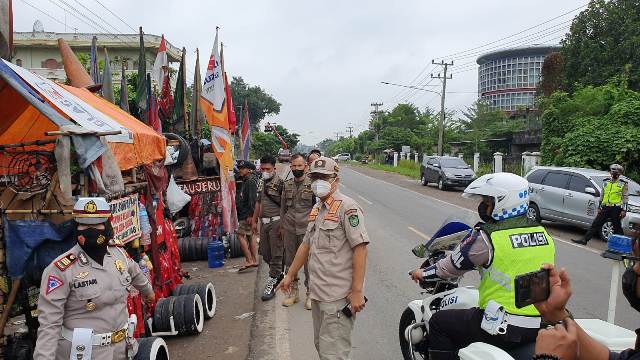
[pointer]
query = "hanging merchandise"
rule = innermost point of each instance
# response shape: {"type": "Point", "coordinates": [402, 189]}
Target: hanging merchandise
{"type": "Point", "coordinates": [176, 198]}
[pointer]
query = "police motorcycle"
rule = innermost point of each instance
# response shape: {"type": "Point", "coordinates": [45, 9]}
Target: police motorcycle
{"type": "Point", "coordinates": [449, 294]}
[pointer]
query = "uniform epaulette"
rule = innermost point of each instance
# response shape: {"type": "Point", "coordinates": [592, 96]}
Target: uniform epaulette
{"type": "Point", "coordinates": [66, 261]}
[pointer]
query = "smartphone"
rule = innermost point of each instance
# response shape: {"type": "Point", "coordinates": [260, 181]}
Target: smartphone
{"type": "Point", "coordinates": [346, 310]}
{"type": "Point", "coordinates": [532, 288]}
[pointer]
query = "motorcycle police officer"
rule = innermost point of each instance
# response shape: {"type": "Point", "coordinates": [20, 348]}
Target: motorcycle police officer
{"type": "Point", "coordinates": [505, 245]}
{"type": "Point", "coordinates": [83, 295]}
{"type": "Point", "coordinates": [613, 204]}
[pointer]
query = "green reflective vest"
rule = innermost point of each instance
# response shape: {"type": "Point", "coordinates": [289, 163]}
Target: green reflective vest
{"type": "Point", "coordinates": [519, 246]}
{"type": "Point", "coordinates": [612, 193]}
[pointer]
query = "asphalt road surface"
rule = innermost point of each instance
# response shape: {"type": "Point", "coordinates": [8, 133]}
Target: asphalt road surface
{"type": "Point", "coordinates": [397, 218]}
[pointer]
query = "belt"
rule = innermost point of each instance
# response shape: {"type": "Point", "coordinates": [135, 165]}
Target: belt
{"type": "Point", "coordinates": [269, 220]}
{"type": "Point", "coordinates": [528, 322]}
{"type": "Point", "coordinates": [100, 339]}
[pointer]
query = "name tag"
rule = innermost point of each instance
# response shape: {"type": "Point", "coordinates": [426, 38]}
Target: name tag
{"type": "Point", "coordinates": [528, 240]}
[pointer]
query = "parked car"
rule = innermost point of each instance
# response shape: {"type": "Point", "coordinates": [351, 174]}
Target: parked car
{"type": "Point", "coordinates": [446, 171]}
{"type": "Point", "coordinates": [342, 157]}
{"type": "Point", "coordinates": [572, 196]}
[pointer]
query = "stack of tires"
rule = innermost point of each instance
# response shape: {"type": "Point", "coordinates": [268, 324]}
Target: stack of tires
{"type": "Point", "coordinates": [190, 305]}
{"type": "Point", "coordinates": [152, 348]}
{"type": "Point", "coordinates": [232, 245]}
{"type": "Point", "coordinates": [193, 248]}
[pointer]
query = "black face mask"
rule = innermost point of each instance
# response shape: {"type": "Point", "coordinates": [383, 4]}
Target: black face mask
{"type": "Point", "coordinates": [629, 285]}
{"type": "Point", "coordinates": [298, 173]}
{"type": "Point", "coordinates": [482, 212]}
{"type": "Point", "coordinates": [96, 241]}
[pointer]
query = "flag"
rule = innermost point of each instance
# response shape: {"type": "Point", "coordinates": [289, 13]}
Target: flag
{"type": "Point", "coordinates": [196, 116]}
{"type": "Point", "coordinates": [178, 118]}
{"type": "Point", "coordinates": [107, 79]}
{"type": "Point", "coordinates": [246, 133]}
{"type": "Point", "coordinates": [161, 64]}
{"type": "Point", "coordinates": [6, 29]}
{"type": "Point", "coordinates": [124, 91]}
{"type": "Point", "coordinates": [152, 115]}
{"type": "Point", "coordinates": [141, 89]}
{"type": "Point", "coordinates": [165, 103]}
{"type": "Point", "coordinates": [230, 109]}
{"type": "Point", "coordinates": [94, 71]}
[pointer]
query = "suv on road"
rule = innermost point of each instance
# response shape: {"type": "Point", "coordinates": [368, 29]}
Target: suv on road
{"type": "Point", "coordinates": [446, 171]}
{"type": "Point", "coordinates": [572, 196]}
{"type": "Point", "coordinates": [342, 157]}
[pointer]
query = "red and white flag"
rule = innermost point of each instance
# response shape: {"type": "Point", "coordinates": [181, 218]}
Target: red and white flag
{"type": "Point", "coordinates": [161, 65]}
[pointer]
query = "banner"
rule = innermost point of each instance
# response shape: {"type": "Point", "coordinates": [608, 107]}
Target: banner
{"type": "Point", "coordinates": [125, 219]}
{"type": "Point", "coordinates": [200, 186]}
{"type": "Point", "coordinates": [80, 112]}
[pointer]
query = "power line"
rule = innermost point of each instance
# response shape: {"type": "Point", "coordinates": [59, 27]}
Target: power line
{"type": "Point", "coordinates": [98, 16]}
{"type": "Point", "coordinates": [54, 19]}
{"type": "Point", "coordinates": [115, 15]}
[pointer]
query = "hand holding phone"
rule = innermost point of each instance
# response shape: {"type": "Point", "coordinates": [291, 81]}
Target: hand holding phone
{"type": "Point", "coordinates": [346, 310]}
{"type": "Point", "coordinates": [532, 288]}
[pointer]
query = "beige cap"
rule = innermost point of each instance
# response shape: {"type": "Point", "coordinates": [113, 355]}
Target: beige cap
{"type": "Point", "coordinates": [324, 165]}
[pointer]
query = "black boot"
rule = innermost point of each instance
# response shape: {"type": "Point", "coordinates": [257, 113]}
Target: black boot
{"type": "Point", "coordinates": [443, 355]}
{"type": "Point", "coordinates": [580, 241]}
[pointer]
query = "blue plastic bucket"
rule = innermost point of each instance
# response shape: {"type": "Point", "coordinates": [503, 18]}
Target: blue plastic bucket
{"type": "Point", "coordinates": [215, 254]}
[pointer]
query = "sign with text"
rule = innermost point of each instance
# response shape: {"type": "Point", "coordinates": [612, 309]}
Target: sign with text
{"type": "Point", "coordinates": [125, 218]}
{"type": "Point", "coordinates": [200, 186]}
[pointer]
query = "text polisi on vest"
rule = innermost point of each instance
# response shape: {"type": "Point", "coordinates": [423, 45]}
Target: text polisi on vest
{"type": "Point", "coordinates": [528, 240]}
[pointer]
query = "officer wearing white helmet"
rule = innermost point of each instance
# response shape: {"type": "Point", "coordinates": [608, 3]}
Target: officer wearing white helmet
{"type": "Point", "coordinates": [504, 245]}
{"type": "Point", "coordinates": [82, 307]}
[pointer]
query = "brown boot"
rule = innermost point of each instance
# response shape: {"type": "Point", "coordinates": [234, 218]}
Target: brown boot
{"type": "Point", "coordinates": [307, 302]}
{"type": "Point", "coordinates": [293, 297]}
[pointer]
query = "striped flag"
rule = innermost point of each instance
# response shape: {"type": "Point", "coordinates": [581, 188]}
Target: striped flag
{"type": "Point", "coordinates": [93, 63]}
{"type": "Point", "coordinates": [246, 133]}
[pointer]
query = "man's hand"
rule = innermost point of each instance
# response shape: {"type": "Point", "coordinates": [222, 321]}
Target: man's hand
{"type": "Point", "coordinates": [149, 299]}
{"type": "Point", "coordinates": [553, 309]}
{"type": "Point", "coordinates": [356, 298]}
{"type": "Point", "coordinates": [254, 227]}
{"type": "Point", "coordinates": [623, 214]}
{"type": "Point", "coordinates": [561, 341]}
{"type": "Point", "coordinates": [417, 275]}
{"type": "Point", "coordinates": [285, 284]}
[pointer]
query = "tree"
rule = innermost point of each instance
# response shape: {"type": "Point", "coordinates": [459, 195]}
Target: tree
{"type": "Point", "coordinates": [551, 74]}
{"type": "Point", "coordinates": [263, 143]}
{"type": "Point", "coordinates": [325, 144]}
{"type": "Point", "coordinates": [604, 42]}
{"type": "Point", "coordinates": [261, 104]}
{"type": "Point", "coordinates": [395, 137]}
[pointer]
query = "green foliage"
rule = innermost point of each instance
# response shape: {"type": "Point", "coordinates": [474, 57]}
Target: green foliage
{"type": "Point", "coordinates": [551, 74]}
{"type": "Point", "coordinates": [479, 123]}
{"type": "Point", "coordinates": [344, 145]}
{"type": "Point", "coordinates": [263, 143]}
{"type": "Point", "coordinates": [261, 104]}
{"type": "Point", "coordinates": [395, 137]}
{"type": "Point", "coordinates": [405, 167]}
{"type": "Point", "coordinates": [604, 42]}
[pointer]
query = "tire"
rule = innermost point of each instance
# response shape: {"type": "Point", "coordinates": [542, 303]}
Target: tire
{"type": "Point", "coordinates": [406, 320]}
{"type": "Point", "coordinates": [184, 148]}
{"type": "Point", "coordinates": [152, 348]}
{"type": "Point", "coordinates": [161, 315]}
{"type": "Point", "coordinates": [441, 184]}
{"type": "Point", "coordinates": [606, 230]}
{"type": "Point", "coordinates": [178, 315]}
{"type": "Point", "coordinates": [533, 213]}
{"type": "Point", "coordinates": [203, 248]}
{"type": "Point", "coordinates": [179, 290]}
{"type": "Point", "coordinates": [423, 180]}
{"type": "Point", "coordinates": [182, 226]}
{"type": "Point", "coordinates": [234, 245]}
{"type": "Point", "coordinates": [207, 294]}
{"type": "Point", "coordinates": [182, 248]}
{"type": "Point", "coordinates": [193, 315]}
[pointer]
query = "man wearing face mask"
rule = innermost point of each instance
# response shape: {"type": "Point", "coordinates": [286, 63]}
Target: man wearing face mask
{"type": "Point", "coordinates": [268, 214]}
{"type": "Point", "coordinates": [83, 295]}
{"type": "Point", "coordinates": [613, 204]}
{"type": "Point", "coordinates": [335, 245]}
{"type": "Point", "coordinates": [297, 201]}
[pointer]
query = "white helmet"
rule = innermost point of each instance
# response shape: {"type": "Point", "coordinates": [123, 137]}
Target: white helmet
{"type": "Point", "coordinates": [510, 192]}
{"type": "Point", "coordinates": [91, 210]}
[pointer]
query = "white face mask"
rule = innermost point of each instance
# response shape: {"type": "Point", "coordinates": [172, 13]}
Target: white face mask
{"type": "Point", "coordinates": [321, 188]}
{"type": "Point", "coordinates": [267, 175]}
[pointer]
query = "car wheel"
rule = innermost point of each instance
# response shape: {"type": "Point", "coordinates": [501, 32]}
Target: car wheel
{"type": "Point", "coordinates": [441, 184]}
{"type": "Point", "coordinates": [533, 213]}
{"type": "Point", "coordinates": [423, 180]}
{"type": "Point", "coordinates": [606, 230]}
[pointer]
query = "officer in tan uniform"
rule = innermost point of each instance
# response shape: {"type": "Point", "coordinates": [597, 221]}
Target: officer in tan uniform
{"type": "Point", "coordinates": [83, 295]}
{"type": "Point", "coordinates": [268, 214]}
{"type": "Point", "coordinates": [297, 201]}
{"type": "Point", "coordinates": [336, 247]}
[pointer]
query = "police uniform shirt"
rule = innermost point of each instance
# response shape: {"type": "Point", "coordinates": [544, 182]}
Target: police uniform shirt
{"type": "Point", "coordinates": [77, 292]}
{"type": "Point", "coordinates": [297, 201]}
{"type": "Point", "coordinates": [335, 227]}
{"type": "Point", "coordinates": [273, 187]}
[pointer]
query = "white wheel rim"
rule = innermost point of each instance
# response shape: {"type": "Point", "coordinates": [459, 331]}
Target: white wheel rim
{"type": "Point", "coordinates": [607, 230]}
{"type": "Point", "coordinates": [200, 321]}
{"type": "Point", "coordinates": [211, 290]}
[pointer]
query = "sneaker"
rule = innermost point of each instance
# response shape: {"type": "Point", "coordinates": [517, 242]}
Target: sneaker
{"type": "Point", "coordinates": [270, 288]}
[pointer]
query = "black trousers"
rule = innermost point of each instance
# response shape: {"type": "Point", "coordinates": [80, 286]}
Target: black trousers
{"type": "Point", "coordinates": [452, 330]}
{"type": "Point", "coordinates": [607, 213]}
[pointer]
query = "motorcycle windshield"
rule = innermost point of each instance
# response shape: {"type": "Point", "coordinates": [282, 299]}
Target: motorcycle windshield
{"type": "Point", "coordinates": [451, 233]}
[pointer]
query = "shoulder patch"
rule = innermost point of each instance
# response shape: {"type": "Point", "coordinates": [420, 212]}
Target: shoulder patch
{"type": "Point", "coordinates": [66, 261]}
{"type": "Point", "coordinates": [313, 214]}
{"type": "Point", "coordinates": [351, 212]}
{"type": "Point", "coordinates": [53, 282]}
{"type": "Point", "coordinates": [354, 220]}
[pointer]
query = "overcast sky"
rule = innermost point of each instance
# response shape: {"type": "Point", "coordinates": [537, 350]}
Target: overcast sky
{"type": "Point", "coordinates": [324, 60]}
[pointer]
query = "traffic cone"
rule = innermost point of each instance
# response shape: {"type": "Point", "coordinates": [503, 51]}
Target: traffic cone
{"type": "Point", "coordinates": [76, 73]}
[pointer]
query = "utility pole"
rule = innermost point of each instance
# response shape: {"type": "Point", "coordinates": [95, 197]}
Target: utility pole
{"type": "Point", "coordinates": [337, 135]}
{"type": "Point", "coordinates": [444, 78]}
{"type": "Point", "coordinates": [350, 130]}
{"type": "Point", "coordinates": [376, 112]}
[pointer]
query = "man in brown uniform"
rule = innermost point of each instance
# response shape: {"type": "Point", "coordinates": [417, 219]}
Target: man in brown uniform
{"type": "Point", "coordinates": [83, 296]}
{"type": "Point", "coordinates": [268, 214]}
{"type": "Point", "coordinates": [297, 201]}
{"type": "Point", "coordinates": [336, 248]}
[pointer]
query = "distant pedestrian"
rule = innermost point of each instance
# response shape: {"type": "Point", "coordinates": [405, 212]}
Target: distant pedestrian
{"type": "Point", "coordinates": [267, 213]}
{"type": "Point", "coordinates": [297, 201]}
{"type": "Point", "coordinates": [245, 206]}
{"type": "Point", "coordinates": [613, 204]}
{"type": "Point", "coordinates": [335, 245]}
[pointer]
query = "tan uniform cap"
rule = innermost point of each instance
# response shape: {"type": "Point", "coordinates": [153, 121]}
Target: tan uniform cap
{"type": "Point", "coordinates": [324, 165]}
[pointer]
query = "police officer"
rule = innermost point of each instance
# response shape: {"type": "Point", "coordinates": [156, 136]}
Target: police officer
{"type": "Point", "coordinates": [82, 307]}
{"type": "Point", "coordinates": [268, 214]}
{"type": "Point", "coordinates": [297, 201]}
{"type": "Point", "coordinates": [336, 247]}
{"type": "Point", "coordinates": [505, 245]}
{"type": "Point", "coordinates": [613, 204]}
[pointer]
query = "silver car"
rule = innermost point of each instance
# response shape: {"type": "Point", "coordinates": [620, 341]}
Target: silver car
{"type": "Point", "coordinates": [572, 196]}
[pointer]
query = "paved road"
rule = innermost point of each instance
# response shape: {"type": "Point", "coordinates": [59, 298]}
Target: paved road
{"type": "Point", "coordinates": [398, 218]}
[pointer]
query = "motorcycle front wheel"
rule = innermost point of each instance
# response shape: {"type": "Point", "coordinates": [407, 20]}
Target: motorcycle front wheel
{"type": "Point", "coordinates": [407, 319]}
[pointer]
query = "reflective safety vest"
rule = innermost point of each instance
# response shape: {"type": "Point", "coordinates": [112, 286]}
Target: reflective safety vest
{"type": "Point", "coordinates": [519, 247]}
{"type": "Point", "coordinates": [612, 193]}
